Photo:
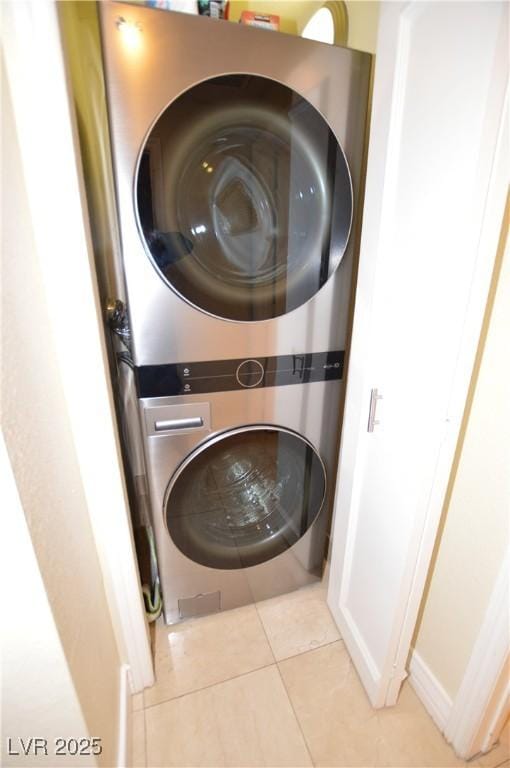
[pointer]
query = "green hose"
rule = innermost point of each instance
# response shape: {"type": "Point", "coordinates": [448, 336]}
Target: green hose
{"type": "Point", "coordinates": [152, 594]}
{"type": "Point", "coordinates": [153, 604]}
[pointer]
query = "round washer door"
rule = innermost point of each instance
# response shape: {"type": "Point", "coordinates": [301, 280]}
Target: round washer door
{"type": "Point", "coordinates": [244, 497]}
{"type": "Point", "coordinates": [244, 198]}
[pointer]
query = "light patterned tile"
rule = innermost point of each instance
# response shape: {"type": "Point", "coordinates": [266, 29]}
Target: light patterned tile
{"type": "Point", "coordinates": [342, 729]}
{"type": "Point", "coordinates": [247, 721]}
{"type": "Point", "coordinates": [136, 702]}
{"type": "Point", "coordinates": [138, 740]}
{"type": "Point", "coordinates": [205, 651]}
{"type": "Point", "coordinates": [409, 737]}
{"type": "Point", "coordinates": [298, 622]}
{"type": "Point", "coordinates": [335, 716]}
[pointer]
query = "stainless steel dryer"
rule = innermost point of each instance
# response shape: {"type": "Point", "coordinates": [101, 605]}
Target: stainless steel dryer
{"type": "Point", "coordinates": [237, 158]}
{"type": "Point", "coordinates": [241, 476]}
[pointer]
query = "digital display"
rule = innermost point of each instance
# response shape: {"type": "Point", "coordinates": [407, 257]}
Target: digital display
{"type": "Point", "coordinates": [243, 373]}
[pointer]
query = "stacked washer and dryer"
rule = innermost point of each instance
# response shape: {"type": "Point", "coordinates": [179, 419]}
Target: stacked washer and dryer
{"type": "Point", "coordinates": [237, 158]}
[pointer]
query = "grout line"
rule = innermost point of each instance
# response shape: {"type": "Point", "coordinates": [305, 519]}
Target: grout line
{"type": "Point", "coordinates": [310, 650]}
{"type": "Point", "coordinates": [144, 739]}
{"type": "Point", "coordinates": [276, 662]}
{"type": "Point", "coordinates": [211, 685]}
{"type": "Point", "coordinates": [285, 688]}
{"type": "Point", "coordinates": [265, 633]}
{"type": "Point", "coordinates": [298, 721]}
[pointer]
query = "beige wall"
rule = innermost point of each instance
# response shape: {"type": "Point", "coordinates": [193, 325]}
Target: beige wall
{"type": "Point", "coordinates": [295, 14]}
{"type": "Point", "coordinates": [476, 524]}
{"type": "Point", "coordinates": [81, 38]}
{"type": "Point", "coordinates": [363, 18]}
{"type": "Point", "coordinates": [43, 457]}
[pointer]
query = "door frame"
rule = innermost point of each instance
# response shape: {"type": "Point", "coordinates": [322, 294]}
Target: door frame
{"type": "Point", "coordinates": [482, 702]}
{"type": "Point", "coordinates": [35, 70]}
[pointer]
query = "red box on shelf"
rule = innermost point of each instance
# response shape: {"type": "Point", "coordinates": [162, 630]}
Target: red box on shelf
{"type": "Point", "coordinates": [263, 20]}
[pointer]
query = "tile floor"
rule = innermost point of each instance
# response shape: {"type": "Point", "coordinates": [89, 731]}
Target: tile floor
{"type": "Point", "coordinates": [272, 685]}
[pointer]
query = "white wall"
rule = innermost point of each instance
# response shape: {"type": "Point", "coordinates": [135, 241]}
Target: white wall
{"type": "Point", "coordinates": [67, 315]}
{"type": "Point", "coordinates": [42, 452]}
{"type": "Point", "coordinates": [476, 529]}
{"type": "Point", "coordinates": [38, 694]}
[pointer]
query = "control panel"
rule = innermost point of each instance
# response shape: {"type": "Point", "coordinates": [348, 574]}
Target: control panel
{"type": "Point", "coordinates": [228, 375]}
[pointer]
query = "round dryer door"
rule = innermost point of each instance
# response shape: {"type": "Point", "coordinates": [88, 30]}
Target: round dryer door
{"type": "Point", "coordinates": [244, 497]}
{"type": "Point", "coordinates": [244, 198]}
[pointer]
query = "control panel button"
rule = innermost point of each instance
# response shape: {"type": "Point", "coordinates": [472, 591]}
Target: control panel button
{"type": "Point", "coordinates": [250, 373]}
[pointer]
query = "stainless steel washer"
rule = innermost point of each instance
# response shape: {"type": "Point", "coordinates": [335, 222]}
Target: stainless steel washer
{"type": "Point", "coordinates": [241, 479]}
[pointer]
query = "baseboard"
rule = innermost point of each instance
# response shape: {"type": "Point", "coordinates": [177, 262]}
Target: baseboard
{"type": "Point", "coordinates": [482, 673]}
{"type": "Point", "coordinates": [124, 726]}
{"type": "Point", "coordinates": [430, 691]}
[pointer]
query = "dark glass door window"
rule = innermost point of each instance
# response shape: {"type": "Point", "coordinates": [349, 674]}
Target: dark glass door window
{"type": "Point", "coordinates": [244, 198]}
{"type": "Point", "coordinates": [245, 497]}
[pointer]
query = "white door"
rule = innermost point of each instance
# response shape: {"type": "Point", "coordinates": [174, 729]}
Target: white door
{"type": "Point", "coordinates": [436, 183]}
